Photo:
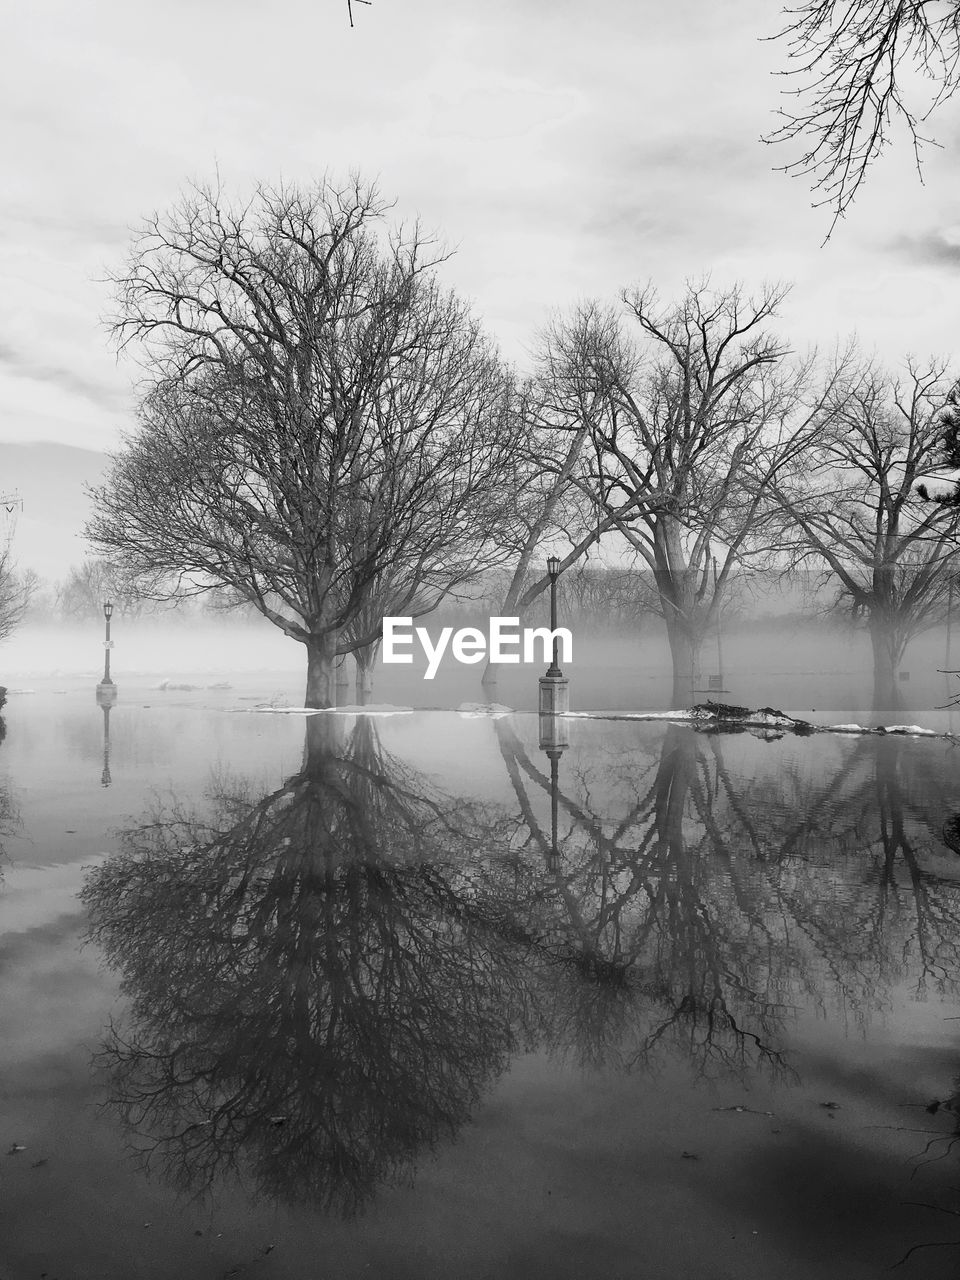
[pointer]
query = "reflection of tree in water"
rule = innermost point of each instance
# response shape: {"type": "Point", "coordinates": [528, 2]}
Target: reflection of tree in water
{"type": "Point", "coordinates": [709, 906]}
{"type": "Point", "coordinates": [9, 809]}
{"type": "Point", "coordinates": [321, 981]}
{"type": "Point", "coordinates": [635, 912]}
{"type": "Point", "coordinates": [864, 870]}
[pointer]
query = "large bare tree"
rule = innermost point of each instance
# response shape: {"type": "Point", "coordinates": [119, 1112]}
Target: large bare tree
{"type": "Point", "coordinates": [685, 426]}
{"type": "Point", "coordinates": [857, 513]}
{"type": "Point", "coordinates": [317, 410]}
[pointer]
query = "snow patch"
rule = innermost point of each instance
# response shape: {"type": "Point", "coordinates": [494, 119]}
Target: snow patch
{"type": "Point", "coordinates": [372, 709]}
{"type": "Point", "coordinates": [943, 485]}
{"type": "Point", "coordinates": [479, 710]}
{"type": "Point", "coordinates": [769, 720]}
{"type": "Point", "coordinates": [269, 708]}
{"type": "Point", "coordinates": [629, 715]}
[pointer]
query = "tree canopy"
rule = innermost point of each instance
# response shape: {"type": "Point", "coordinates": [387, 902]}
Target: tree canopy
{"type": "Point", "coordinates": [320, 416]}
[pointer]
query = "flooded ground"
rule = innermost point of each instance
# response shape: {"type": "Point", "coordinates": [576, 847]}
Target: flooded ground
{"type": "Point", "coordinates": [411, 996]}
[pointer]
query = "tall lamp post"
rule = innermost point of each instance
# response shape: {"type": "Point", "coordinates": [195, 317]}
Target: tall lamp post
{"type": "Point", "coordinates": [553, 568]}
{"type": "Point", "coordinates": [554, 686]}
{"type": "Point", "coordinates": [106, 689]}
{"type": "Point", "coordinates": [107, 643]}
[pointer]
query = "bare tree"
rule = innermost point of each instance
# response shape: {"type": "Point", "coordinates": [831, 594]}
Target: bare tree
{"type": "Point", "coordinates": [945, 486]}
{"type": "Point", "coordinates": [89, 584]}
{"type": "Point", "coordinates": [16, 590]}
{"type": "Point", "coordinates": [317, 408]}
{"type": "Point", "coordinates": [550, 509]}
{"type": "Point", "coordinates": [857, 513]}
{"type": "Point", "coordinates": [853, 60]}
{"type": "Point", "coordinates": [684, 430]}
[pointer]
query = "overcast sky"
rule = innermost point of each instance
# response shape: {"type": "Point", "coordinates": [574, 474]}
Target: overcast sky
{"type": "Point", "coordinates": [565, 149]}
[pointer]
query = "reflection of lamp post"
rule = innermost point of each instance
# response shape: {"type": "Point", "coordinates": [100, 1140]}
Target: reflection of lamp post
{"type": "Point", "coordinates": [553, 568]}
{"type": "Point", "coordinates": [105, 778]}
{"type": "Point", "coordinates": [108, 643]}
{"type": "Point", "coordinates": [554, 739]}
{"type": "Point", "coordinates": [553, 857]}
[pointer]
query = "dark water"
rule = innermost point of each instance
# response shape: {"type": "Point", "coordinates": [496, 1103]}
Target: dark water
{"type": "Point", "coordinates": [409, 996]}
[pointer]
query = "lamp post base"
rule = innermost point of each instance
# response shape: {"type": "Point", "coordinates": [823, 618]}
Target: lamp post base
{"type": "Point", "coordinates": [106, 693]}
{"type": "Point", "coordinates": [554, 695]}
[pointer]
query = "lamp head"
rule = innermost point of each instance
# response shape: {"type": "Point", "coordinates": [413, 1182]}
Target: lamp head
{"type": "Point", "coordinates": [553, 565]}
{"type": "Point", "coordinates": [108, 608]}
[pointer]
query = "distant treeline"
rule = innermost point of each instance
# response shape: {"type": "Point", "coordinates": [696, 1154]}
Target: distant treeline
{"type": "Point", "coordinates": [596, 599]}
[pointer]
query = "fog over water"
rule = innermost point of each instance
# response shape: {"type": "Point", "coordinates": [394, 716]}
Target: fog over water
{"type": "Point", "coordinates": [814, 669]}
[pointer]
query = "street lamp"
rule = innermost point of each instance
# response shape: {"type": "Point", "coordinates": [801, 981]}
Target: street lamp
{"type": "Point", "coordinates": [106, 693]}
{"type": "Point", "coordinates": [553, 568]}
{"type": "Point", "coordinates": [107, 643]}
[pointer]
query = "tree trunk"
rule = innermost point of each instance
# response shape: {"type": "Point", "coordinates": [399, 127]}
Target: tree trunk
{"type": "Point", "coordinates": [321, 672]}
{"type": "Point", "coordinates": [364, 681]}
{"type": "Point", "coordinates": [887, 651]}
{"type": "Point", "coordinates": [342, 682]}
{"type": "Point", "coordinates": [684, 651]}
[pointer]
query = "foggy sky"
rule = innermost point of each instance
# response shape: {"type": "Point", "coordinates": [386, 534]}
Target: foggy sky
{"type": "Point", "coordinates": [563, 149]}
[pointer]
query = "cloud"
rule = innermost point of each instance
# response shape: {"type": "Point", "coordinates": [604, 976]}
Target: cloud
{"type": "Point", "coordinates": [63, 379]}
{"type": "Point", "coordinates": [75, 228]}
{"type": "Point", "coordinates": [468, 105]}
{"type": "Point", "coordinates": [935, 247]}
{"type": "Point", "coordinates": [562, 149]}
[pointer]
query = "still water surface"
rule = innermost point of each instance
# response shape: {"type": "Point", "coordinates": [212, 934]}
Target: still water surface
{"type": "Point", "coordinates": [407, 997]}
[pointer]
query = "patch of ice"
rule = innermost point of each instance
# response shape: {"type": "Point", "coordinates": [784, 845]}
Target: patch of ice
{"type": "Point", "coordinates": [630, 715]}
{"type": "Point", "coordinates": [770, 721]}
{"type": "Point", "coordinates": [372, 709]}
{"type": "Point", "coordinates": [848, 728]}
{"type": "Point", "coordinates": [283, 711]}
{"type": "Point", "coordinates": [913, 729]}
{"type": "Point", "coordinates": [480, 710]}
